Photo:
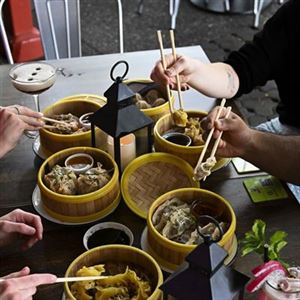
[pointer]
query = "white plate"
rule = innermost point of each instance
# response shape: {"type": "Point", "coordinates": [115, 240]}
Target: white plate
{"type": "Point", "coordinates": [38, 150]}
{"type": "Point", "coordinates": [38, 206]}
{"type": "Point", "coordinates": [146, 247]}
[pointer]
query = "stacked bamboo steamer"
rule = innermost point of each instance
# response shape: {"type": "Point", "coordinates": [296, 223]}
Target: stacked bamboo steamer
{"type": "Point", "coordinates": [77, 105]}
{"type": "Point", "coordinates": [118, 253]}
{"type": "Point", "coordinates": [188, 153]}
{"type": "Point", "coordinates": [171, 254]}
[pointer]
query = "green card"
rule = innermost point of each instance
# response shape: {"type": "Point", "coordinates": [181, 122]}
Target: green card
{"type": "Point", "coordinates": [265, 188]}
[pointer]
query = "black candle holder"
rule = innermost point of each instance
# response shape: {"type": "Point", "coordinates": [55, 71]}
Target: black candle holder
{"type": "Point", "coordinates": [203, 275]}
{"type": "Point", "coordinates": [120, 116]}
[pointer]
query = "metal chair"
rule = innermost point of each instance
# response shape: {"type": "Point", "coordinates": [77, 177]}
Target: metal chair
{"type": "Point", "coordinates": [59, 24]}
{"type": "Point", "coordinates": [4, 36]}
{"type": "Point", "coordinates": [173, 10]}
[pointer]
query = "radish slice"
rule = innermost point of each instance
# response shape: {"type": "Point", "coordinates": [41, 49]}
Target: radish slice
{"type": "Point", "coordinates": [272, 273]}
{"type": "Point", "coordinates": [264, 267]}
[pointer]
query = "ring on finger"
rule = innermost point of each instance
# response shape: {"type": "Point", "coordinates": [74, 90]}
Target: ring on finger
{"type": "Point", "coordinates": [17, 109]}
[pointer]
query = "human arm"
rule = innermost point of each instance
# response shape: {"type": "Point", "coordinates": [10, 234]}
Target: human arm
{"type": "Point", "coordinates": [212, 79]}
{"type": "Point", "coordinates": [276, 154]}
{"type": "Point", "coordinates": [12, 126]}
{"type": "Point", "coordinates": [21, 285]}
{"type": "Point", "coordinates": [20, 223]}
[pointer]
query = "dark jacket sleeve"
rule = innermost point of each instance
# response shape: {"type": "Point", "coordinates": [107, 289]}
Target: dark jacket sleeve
{"type": "Point", "coordinates": [262, 59]}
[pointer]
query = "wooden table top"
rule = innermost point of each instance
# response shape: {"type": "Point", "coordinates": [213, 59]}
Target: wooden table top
{"type": "Point", "coordinates": [61, 243]}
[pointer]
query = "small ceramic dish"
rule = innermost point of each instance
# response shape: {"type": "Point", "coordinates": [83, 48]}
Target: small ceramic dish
{"type": "Point", "coordinates": [79, 162]}
{"type": "Point", "coordinates": [107, 233]}
{"type": "Point", "coordinates": [178, 138]}
{"type": "Point", "coordinates": [84, 120]}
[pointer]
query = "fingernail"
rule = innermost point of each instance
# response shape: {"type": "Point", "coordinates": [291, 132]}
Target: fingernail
{"type": "Point", "coordinates": [41, 114]}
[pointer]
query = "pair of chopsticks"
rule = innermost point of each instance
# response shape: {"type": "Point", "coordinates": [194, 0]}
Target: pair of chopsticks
{"type": "Point", "coordinates": [52, 121]}
{"type": "Point", "coordinates": [217, 141]}
{"type": "Point", "coordinates": [72, 279]}
{"type": "Point", "coordinates": [161, 48]}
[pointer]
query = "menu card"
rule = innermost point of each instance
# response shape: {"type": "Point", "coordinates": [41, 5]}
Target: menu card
{"type": "Point", "coordinates": [265, 188]}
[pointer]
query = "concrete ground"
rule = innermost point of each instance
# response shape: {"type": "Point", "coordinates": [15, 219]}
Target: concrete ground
{"type": "Point", "coordinates": [217, 33]}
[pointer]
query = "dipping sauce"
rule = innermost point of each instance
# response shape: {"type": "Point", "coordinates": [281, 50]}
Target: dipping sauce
{"type": "Point", "coordinates": [107, 236]}
{"type": "Point", "coordinates": [79, 162]}
{"type": "Point", "coordinates": [178, 138]}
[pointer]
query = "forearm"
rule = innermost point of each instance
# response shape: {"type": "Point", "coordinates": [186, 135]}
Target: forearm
{"type": "Point", "coordinates": [276, 154]}
{"type": "Point", "coordinates": [217, 80]}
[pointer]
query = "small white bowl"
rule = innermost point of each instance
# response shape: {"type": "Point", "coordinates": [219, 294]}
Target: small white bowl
{"type": "Point", "coordinates": [105, 226]}
{"type": "Point", "coordinates": [83, 120]}
{"type": "Point", "coordinates": [79, 162]}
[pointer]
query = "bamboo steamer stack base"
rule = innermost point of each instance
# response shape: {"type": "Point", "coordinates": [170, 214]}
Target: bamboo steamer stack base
{"type": "Point", "coordinates": [86, 207]}
{"type": "Point", "coordinates": [172, 254]}
{"type": "Point", "coordinates": [151, 175]}
{"type": "Point", "coordinates": [77, 105]}
{"type": "Point", "coordinates": [122, 254]}
{"type": "Point", "coordinates": [191, 153]}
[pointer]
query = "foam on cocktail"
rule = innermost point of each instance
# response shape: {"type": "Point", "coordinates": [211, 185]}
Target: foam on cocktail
{"type": "Point", "coordinates": [33, 77]}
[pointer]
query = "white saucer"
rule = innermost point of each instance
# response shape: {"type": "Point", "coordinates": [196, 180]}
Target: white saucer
{"type": "Point", "coordinates": [146, 247]}
{"type": "Point", "coordinates": [37, 149]}
{"type": "Point", "coordinates": [38, 206]}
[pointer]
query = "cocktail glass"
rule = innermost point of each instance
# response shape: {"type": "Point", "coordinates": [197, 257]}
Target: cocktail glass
{"type": "Point", "coordinates": [33, 78]}
{"type": "Point", "coordinates": [271, 291]}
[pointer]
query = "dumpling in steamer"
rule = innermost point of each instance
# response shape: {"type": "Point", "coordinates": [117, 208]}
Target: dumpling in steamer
{"type": "Point", "coordinates": [61, 180]}
{"type": "Point", "coordinates": [93, 180]}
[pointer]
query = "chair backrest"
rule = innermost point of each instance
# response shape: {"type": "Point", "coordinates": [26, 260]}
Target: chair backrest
{"type": "Point", "coordinates": [59, 25]}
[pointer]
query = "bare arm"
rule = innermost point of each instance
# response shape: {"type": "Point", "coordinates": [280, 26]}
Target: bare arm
{"type": "Point", "coordinates": [276, 154]}
{"type": "Point", "coordinates": [213, 79]}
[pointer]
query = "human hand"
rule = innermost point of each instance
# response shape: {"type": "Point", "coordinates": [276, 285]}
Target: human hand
{"type": "Point", "coordinates": [236, 134]}
{"type": "Point", "coordinates": [184, 66]}
{"type": "Point", "coordinates": [20, 223]}
{"type": "Point", "coordinates": [20, 285]}
{"type": "Point", "coordinates": [27, 115]}
{"type": "Point", "coordinates": [12, 127]}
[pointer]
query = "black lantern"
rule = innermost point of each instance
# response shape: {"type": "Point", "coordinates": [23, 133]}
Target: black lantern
{"type": "Point", "coordinates": [204, 276]}
{"type": "Point", "coordinates": [120, 116]}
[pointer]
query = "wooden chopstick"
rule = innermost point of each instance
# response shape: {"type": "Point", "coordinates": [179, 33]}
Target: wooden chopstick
{"type": "Point", "coordinates": [49, 126]}
{"type": "Point", "coordinates": [83, 278]}
{"type": "Point", "coordinates": [217, 141]}
{"type": "Point", "coordinates": [53, 120]}
{"type": "Point", "coordinates": [209, 136]}
{"type": "Point", "coordinates": [72, 279]}
{"type": "Point", "coordinates": [172, 37]}
{"type": "Point", "coordinates": [161, 48]}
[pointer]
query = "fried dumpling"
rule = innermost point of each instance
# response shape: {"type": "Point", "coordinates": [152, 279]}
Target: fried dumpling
{"type": "Point", "coordinates": [61, 180]}
{"type": "Point", "coordinates": [93, 179]}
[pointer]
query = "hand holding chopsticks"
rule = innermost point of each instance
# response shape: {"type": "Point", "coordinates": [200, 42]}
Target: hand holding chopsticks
{"type": "Point", "coordinates": [202, 170]}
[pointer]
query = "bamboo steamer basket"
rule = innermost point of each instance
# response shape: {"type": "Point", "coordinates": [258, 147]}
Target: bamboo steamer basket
{"type": "Point", "coordinates": [171, 254]}
{"type": "Point", "coordinates": [188, 153]}
{"type": "Point", "coordinates": [152, 175]}
{"type": "Point", "coordinates": [86, 207]}
{"type": "Point", "coordinates": [155, 113]}
{"type": "Point", "coordinates": [77, 105]}
{"type": "Point", "coordinates": [118, 253]}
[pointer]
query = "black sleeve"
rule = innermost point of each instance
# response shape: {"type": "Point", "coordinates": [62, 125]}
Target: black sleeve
{"type": "Point", "coordinates": [258, 61]}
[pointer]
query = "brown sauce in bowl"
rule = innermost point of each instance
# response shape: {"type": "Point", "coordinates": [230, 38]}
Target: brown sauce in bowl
{"type": "Point", "coordinates": [108, 236]}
